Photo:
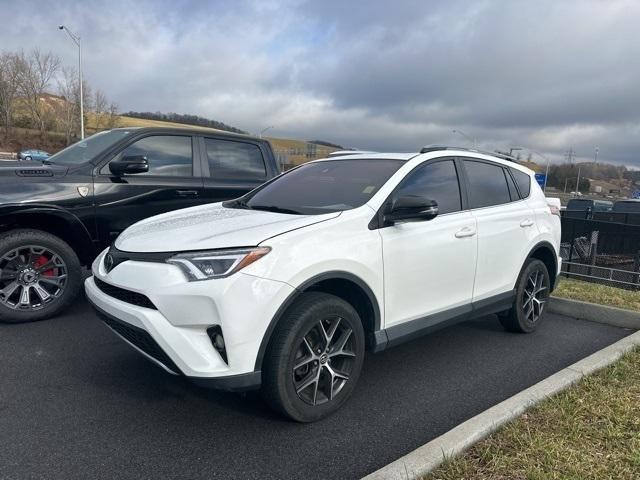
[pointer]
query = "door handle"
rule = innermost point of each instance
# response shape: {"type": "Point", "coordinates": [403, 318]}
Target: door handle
{"type": "Point", "coordinates": [526, 223]}
{"type": "Point", "coordinates": [187, 193]}
{"type": "Point", "coordinates": [466, 232]}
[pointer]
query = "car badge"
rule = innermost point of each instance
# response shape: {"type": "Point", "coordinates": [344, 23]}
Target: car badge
{"type": "Point", "coordinates": [83, 191]}
{"type": "Point", "coordinates": [108, 262]}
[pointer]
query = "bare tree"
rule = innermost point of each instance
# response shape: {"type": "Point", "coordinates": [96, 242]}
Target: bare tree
{"type": "Point", "coordinates": [9, 85]}
{"type": "Point", "coordinates": [113, 117]}
{"type": "Point", "coordinates": [100, 106]}
{"type": "Point", "coordinates": [38, 71]}
{"type": "Point", "coordinates": [67, 110]}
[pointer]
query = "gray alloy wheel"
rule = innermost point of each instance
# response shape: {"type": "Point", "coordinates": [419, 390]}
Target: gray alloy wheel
{"type": "Point", "coordinates": [314, 357]}
{"type": "Point", "coordinates": [31, 277]}
{"type": "Point", "coordinates": [532, 294]}
{"type": "Point", "coordinates": [535, 295]}
{"type": "Point", "coordinates": [324, 361]}
{"type": "Point", "coordinates": [27, 158]}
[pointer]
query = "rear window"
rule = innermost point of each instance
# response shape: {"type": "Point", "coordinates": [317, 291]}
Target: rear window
{"type": "Point", "coordinates": [579, 204]}
{"type": "Point", "coordinates": [627, 207]}
{"type": "Point", "coordinates": [523, 181]}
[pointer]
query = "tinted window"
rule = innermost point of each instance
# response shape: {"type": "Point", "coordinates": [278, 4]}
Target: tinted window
{"type": "Point", "coordinates": [436, 181]}
{"type": "Point", "coordinates": [168, 155]}
{"type": "Point", "coordinates": [512, 186]}
{"type": "Point", "coordinates": [627, 207]}
{"type": "Point", "coordinates": [575, 204]}
{"type": "Point", "coordinates": [487, 184]}
{"type": "Point", "coordinates": [524, 182]}
{"type": "Point", "coordinates": [322, 187]}
{"type": "Point", "coordinates": [229, 159]}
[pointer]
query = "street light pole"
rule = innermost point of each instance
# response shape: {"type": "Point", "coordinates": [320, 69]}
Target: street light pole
{"type": "Point", "coordinates": [76, 40]}
{"type": "Point", "coordinates": [546, 173]}
{"type": "Point", "coordinates": [472, 140]}
{"type": "Point", "coordinates": [264, 130]}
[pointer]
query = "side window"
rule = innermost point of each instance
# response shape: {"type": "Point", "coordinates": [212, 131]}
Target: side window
{"type": "Point", "coordinates": [524, 182]}
{"type": "Point", "coordinates": [513, 192]}
{"type": "Point", "coordinates": [437, 181]}
{"type": "Point", "coordinates": [487, 184]}
{"type": "Point", "coordinates": [230, 159]}
{"type": "Point", "coordinates": [168, 155]}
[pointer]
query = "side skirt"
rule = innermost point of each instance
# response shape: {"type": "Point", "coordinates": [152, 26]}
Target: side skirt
{"type": "Point", "coordinates": [404, 332]}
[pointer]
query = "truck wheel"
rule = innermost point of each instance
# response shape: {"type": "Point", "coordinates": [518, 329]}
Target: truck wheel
{"type": "Point", "coordinates": [314, 358]}
{"type": "Point", "coordinates": [39, 275]}
{"type": "Point", "coordinates": [532, 294]}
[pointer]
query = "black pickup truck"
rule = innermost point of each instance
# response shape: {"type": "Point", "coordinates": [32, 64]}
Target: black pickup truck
{"type": "Point", "coordinates": [57, 215]}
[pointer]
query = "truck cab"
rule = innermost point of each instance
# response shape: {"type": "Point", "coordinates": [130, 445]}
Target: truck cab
{"type": "Point", "coordinates": [55, 215]}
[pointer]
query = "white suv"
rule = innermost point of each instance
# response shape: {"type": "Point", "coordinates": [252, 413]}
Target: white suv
{"type": "Point", "coordinates": [286, 287]}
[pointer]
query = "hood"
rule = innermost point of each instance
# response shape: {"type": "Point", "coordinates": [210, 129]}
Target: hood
{"type": "Point", "coordinates": [209, 227]}
{"type": "Point", "coordinates": [30, 169]}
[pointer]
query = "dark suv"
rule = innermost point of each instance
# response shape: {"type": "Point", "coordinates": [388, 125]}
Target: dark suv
{"type": "Point", "coordinates": [55, 216]}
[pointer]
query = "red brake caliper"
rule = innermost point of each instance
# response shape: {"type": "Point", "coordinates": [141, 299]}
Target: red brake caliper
{"type": "Point", "coordinates": [42, 260]}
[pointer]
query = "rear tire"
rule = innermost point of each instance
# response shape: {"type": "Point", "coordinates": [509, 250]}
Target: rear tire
{"type": "Point", "coordinates": [532, 294]}
{"type": "Point", "coordinates": [314, 358]}
{"type": "Point", "coordinates": [43, 266]}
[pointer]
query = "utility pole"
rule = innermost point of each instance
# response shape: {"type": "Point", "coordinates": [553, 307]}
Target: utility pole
{"type": "Point", "coordinates": [578, 182]}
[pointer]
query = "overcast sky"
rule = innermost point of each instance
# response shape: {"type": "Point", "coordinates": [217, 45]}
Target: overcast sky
{"type": "Point", "coordinates": [371, 74]}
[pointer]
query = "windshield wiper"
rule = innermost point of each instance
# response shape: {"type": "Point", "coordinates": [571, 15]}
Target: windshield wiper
{"type": "Point", "coordinates": [274, 208]}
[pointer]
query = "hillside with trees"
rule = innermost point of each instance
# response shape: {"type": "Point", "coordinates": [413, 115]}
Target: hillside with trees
{"type": "Point", "coordinates": [184, 119]}
{"type": "Point", "coordinates": [40, 102]}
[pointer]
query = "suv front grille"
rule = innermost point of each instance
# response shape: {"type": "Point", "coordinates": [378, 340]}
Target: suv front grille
{"type": "Point", "coordinates": [141, 339]}
{"type": "Point", "coordinates": [124, 295]}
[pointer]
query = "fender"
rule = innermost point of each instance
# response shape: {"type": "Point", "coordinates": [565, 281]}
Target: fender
{"type": "Point", "coordinates": [300, 289]}
{"type": "Point", "coordinates": [547, 245]}
{"type": "Point", "coordinates": [76, 235]}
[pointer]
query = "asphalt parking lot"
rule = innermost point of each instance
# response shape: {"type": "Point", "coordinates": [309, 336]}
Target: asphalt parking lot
{"type": "Point", "coordinates": [76, 402]}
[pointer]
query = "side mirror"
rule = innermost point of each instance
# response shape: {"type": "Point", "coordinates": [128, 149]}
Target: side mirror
{"type": "Point", "coordinates": [129, 165]}
{"type": "Point", "coordinates": [411, 207]}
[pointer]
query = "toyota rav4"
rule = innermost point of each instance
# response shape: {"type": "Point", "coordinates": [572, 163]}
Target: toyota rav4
{"type": "Point", "coordinates": [286, 287]}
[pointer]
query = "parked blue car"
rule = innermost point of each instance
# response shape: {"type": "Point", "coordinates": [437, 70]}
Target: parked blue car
{"type": "Point", "coordinates": [38, 155]}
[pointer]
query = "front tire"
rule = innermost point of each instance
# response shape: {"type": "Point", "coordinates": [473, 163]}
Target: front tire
{"type": "Point", "coordinates": [40, 275]}
{"type": "Point", "coordinates": [532, 294]}
{"type": "Point", "coordinates": [314, 358]}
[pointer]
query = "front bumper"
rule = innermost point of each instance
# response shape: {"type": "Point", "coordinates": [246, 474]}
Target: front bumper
{"type": "Point", "coordinates": [174, 333]}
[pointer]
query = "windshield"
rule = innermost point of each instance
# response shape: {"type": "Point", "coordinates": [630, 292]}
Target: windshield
{"type": "Point", "coordinates": [322, 187]}
{"type": "Point", "coordinates": [85, 150]}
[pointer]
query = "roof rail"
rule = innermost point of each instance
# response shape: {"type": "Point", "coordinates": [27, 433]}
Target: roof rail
{"type": "Point", "coordinates": [341, 153]}
{"type": "Point", "coordinates": [435, 148]}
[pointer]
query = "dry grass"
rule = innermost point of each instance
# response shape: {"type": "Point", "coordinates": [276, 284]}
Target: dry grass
{"type": "Point", "coordinates": [601, 294]}
{"type": "Point", "coordinates": [591, 431]}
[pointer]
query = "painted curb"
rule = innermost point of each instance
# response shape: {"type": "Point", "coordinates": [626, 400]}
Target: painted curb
{"type": "Point", "coordinates": [426, 458]}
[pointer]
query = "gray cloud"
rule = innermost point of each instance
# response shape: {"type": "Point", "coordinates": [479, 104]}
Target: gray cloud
{"type": "Point", "coordinates": [550, 75]}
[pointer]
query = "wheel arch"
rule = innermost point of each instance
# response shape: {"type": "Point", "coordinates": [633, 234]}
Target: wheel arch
{"type": "Point", "coordinates": [55, 221]}
{"type": "Point", "coordinates": [344, 285]}
{"type": "Point", "coordinates": [545, 252]}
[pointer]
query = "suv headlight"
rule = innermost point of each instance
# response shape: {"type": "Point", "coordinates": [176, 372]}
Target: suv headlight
{"type": "Point", "coordinates": [216, 263]}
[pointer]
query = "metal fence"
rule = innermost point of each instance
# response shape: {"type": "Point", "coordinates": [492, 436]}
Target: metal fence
{"type": "Point", "coordinates": [615, 217]}
{"type": "Point", "coordinates": [601, 251]}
